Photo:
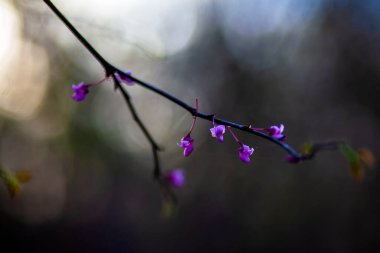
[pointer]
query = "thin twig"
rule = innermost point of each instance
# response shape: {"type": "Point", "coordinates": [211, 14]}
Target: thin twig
{"type": "Point", "coordinates": [155, 146]}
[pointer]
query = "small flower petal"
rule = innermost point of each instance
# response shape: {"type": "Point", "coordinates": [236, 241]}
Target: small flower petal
{"type": "Point", "coordinates": [292, 159]}
{"type": "Point", "coordinates": [245, 152]}
{"type": "Point", "coordinates": [217, 132]}
{"type": "Point", "coordinates": [80, 91]}
{"type": "Point", "coordinates": [176, 178]}
{"type": "Point", "coordinates": [124, 79]}
{"type": "Point", "coordinates": [276, 132]}
{"type": "Point", "coordinates": [187, 144]}
{"type": "Point", "coordinates": [187, 151]}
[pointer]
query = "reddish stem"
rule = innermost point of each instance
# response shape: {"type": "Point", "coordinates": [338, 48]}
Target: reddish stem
{"type": "Point", "coordinates": [233, 135]}
{"type": "Point", "coordinates": [194, 117]}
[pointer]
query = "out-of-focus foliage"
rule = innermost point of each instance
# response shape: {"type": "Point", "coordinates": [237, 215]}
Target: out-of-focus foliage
{"type": "Point", "coordinates": [366, 156]}
{"type": "Point", "coordinates": [354, 161]}
{"type": "Point", "coordinates": [308, 149]}
{"type": "Point", "coordinates": [13, 181]}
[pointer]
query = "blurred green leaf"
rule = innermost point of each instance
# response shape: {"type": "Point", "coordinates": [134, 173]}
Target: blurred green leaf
{"type": "Point", "coordinates": [168, 208]}
{"type": "Point", "coordinates": [353, 159]}
{"type": "Point", "coordinates": [307, 149]}
{"type": "Point", "coordinates": [11, 181]}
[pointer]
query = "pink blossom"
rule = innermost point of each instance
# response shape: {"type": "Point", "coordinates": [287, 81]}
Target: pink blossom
{"type": "Point", "coordinates": [176, 178]}
{"type": "Point", "coordinates": [276, 132]}
{"type": "Point", "coordinates": [292, 159]}
{"type": "Point", "coordinates": [187, 144]}
{"type": "Point", "coordinates": [217, 132]}
{"type": "Point", "coordinates": [245, 152]}
{"type": "Point", "coordinates": [80, 91]}
{"type": "Point", "coordinates": [124, 79]}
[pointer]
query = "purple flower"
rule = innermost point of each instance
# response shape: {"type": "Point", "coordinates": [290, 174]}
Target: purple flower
{"type": "Point", "coordinates": [176, 178]}
{"type": "Point", "coordinates": [276, 132]}
{"type": "Point", "coordinates": [245, 152]}
{"type": "Point", "coordinates": [80, 91]}
{"type": "Point", "coordinates": [187, 144]}
{"type": "Point", "coordinates": [292, 159]}
{"type": "Point", "coordinates": [217, 132]}
{"type": "Point", "coordinates": [124, 79]}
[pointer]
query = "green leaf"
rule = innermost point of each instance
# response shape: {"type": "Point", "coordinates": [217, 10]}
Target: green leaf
{"type": "Point", "coordinates": [353, 159]}
{"type": "Point", "coordinates": [168, 208]}
{"type": "Point", "coordinates": [308, 149]}
{"type": "Point", "coordinates": [11, 181]}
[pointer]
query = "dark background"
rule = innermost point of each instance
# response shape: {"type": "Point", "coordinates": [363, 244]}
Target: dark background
{"type": "Point", "coordinates": [311, 65]}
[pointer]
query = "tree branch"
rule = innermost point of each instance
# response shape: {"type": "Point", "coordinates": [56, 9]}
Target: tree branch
{"type": "Point", "coordinates": [112, 70]}
{"type": "Point", "coordinates": [154, 145]}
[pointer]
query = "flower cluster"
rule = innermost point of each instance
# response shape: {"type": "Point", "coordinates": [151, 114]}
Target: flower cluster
{"type": "Point", "coordinates": [217, 131]}
{"type": "Point", "coordinates": [244, 151]}
{"type": "Point", "coordinates": [176, 177]}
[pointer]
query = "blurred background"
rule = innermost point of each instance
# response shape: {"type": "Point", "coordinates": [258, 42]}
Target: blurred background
{"type": "Point", "coordinates": [311, 65]}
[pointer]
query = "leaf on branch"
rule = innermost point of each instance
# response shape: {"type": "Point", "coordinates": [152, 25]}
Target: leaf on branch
{"type": "Point", "coordinates": [169, 199]}
{"type": "Point", "coordinates": [353, 158]}
{"type": "Point", "coordinates": [308, 149]}
{"type": "Point", "coordinates": [13, 180]}
{"type": "Point", "coordinates": [169, 208]}
{"type": "Point", "coordinates": [24, 175]}
{"type": "Point", "coordinates": [366, 156]}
